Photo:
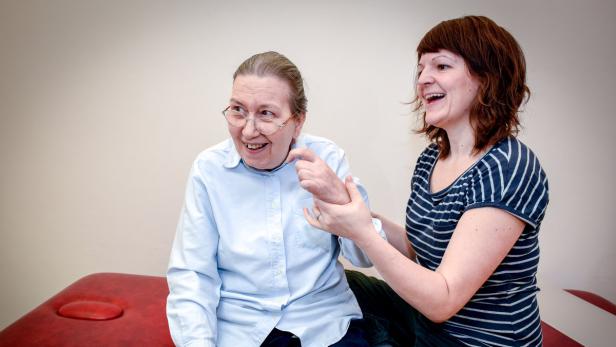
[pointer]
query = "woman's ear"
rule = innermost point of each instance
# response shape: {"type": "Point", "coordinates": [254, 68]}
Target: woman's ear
{"type": "Point", "coordinates": [299, 123]}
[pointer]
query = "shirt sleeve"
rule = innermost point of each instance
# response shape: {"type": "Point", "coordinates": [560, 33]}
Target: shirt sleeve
{"type": "Point", "coordinates": [192, 276]}
{"type": "Point", "coordinates": [511, 179]}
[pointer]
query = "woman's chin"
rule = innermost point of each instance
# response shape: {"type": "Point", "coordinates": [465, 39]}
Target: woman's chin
{"type": "Point", "coordinates": [261, 164]}
{"type": "Point", "coordinates": [433, 121]}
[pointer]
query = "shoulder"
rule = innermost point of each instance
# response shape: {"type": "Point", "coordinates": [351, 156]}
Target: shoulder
{"type": "Point", "coordinates": [509, 157]}
{"type": "Point", "coordinates": [510, 151]}
{"type": "Point", "coordinates": [312, 141]}
{"type": "Point", "coordinates": [322, 146]}
{"type": "Point", "coordinates": [426, 160]}
{"type": "Point", "coordinates": [430, 153]}
{"type": "Point", "coordinates": [216, 156]}
{"type": "Point", "coordinates": [510, 176]}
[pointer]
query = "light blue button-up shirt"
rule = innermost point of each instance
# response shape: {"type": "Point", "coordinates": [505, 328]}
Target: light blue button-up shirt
{"type": "Point", "coordinates": [245, 261]}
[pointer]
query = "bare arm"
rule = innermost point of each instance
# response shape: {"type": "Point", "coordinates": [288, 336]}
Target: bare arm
{"type": "Point", "coordinates": [482, 238]}
{"type": "Point", "coordinates": [396, 236]}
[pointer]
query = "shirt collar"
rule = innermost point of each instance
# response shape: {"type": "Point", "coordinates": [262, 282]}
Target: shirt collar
{"type": "Point", "coordinates": [233, 160]}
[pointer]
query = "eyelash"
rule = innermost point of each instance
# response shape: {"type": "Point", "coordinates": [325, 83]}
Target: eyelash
{"type": "Point", "coordinates": [439, 67]}
{"type": "Point", "coordinates": [267, 113]}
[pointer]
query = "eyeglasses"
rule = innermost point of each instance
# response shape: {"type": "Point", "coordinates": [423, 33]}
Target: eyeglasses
{"type": "Point", "coordinates": [265, 121]}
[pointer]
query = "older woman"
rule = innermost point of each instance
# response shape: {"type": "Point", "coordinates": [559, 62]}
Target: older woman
{"type": "Point", "coordinates": [463, 270]}
{"type": "Point", "coordinates": [246, 269]}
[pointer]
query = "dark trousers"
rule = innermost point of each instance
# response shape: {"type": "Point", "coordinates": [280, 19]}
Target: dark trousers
{"type": "Point", "coordinates": [391, 322]}
{"type": "Point", "coordinates": [353, 338]}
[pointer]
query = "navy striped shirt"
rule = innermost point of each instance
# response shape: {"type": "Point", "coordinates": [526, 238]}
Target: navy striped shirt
{"type": "Point", "coordinates": [504, 311]}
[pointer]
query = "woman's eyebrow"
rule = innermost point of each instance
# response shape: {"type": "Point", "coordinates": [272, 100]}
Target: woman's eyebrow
{"type": "Point", "coordinates": [269, 106]}
{"type": "Point", "coordinates": [441, 56]}
{"type": "Point", "coordinates": [437, 57]}
{"type": "Point", "coordinates": [264, 105]}
{"type": "Point", "coordinates": [236, 101]}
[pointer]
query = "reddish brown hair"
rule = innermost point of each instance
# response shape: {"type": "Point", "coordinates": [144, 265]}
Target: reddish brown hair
{"type": "Point", "coordinates": [496, 59]}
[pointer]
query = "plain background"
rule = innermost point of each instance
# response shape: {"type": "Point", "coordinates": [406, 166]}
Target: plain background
{"type": "Point", "coordinates": [104, 105]}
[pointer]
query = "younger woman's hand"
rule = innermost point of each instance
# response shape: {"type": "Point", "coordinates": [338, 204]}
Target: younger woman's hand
{"type": "Point", "coordinates": [351, 220]}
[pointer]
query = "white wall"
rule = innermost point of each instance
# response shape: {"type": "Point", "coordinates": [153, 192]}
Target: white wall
{"type": "Point", "coordinates": [104, 104]}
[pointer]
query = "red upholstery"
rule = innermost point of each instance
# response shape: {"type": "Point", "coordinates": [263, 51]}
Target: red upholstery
{"type": "Point", "coordinates": [110, 309]}
{"type": "Point", "coordinates": [554, 338]}
{"type": "Point", "coordinates": [594, 299]}
{"type": "Point", "coordinates": [141, 320]}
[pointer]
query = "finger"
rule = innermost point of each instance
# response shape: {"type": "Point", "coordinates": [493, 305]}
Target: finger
{"type": "Point", "coordinates": [293, 154]}
{"type": "Point", "coordinates": [322, 206]}
{"type": "Point", "coordinates": [303, 153]}
{"type": "Point", "coordinates": [312, 187]}
{"type": "Point", "coordinates": [302, 165]}
{"type": "Point", "coordinates": [317, 210]}
{"type": "Point", "coordinates": [312, 221]}
{"type": "Point", "coordinates": [302, 173]}
{"type": "Point", "coordinates": [351, 187]}
{"type": "Point", "coordinates": [306, 185]}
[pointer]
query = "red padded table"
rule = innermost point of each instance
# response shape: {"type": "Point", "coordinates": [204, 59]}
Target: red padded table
{"type": "Point", "coordinates": [103, 309]}
{"type": "Point", "coordinates": [112, 309]}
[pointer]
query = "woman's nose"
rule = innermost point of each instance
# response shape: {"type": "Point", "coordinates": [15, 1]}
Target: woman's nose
{"type": "Point", "coordinates": [425, 77]}
{"type": "Point", "coordinates": [250, 129]}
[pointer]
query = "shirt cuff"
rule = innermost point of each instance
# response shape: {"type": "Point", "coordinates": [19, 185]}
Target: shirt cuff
{"type": "Point", "coordinates": [378, 226]}
{"type": "Point", "coordinates": [200, 343]}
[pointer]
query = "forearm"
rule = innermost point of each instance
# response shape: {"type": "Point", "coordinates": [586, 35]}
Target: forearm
{"type": "Point", "coordinates": [192, 274]}
{"type": "Point", "coordinates": [194, 284]}
{"type": "Point", "coordinates": [191, 311]}
{"type": "Point", "coordinates": [396, 236]}
{"type": "Point", "coordinates": [356, 255]}
{"type": "Point", "coordinates": [425, 290]}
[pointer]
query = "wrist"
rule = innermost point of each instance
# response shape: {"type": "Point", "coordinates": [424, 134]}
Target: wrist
{"type": "Point", "coordinates": [368, 236]}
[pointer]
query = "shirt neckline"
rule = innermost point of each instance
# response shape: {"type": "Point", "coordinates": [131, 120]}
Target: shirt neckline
{"type": "Point", "coordinates": [443, 191]}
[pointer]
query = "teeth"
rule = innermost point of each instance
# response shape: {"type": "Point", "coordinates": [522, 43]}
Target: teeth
{"type": "Point", "coordinates": [434, 96]}
{"type": "Point", "coordinates": [254, 146]}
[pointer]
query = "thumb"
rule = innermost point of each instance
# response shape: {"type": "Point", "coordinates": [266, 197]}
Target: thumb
{"type": "Point", "coordinates": [351, 187]}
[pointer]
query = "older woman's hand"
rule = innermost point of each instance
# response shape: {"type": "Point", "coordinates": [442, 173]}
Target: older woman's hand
{"type": "Point", "coordinates": [351, 221]}
{"type": "Point", "coordinates": [317, 177]}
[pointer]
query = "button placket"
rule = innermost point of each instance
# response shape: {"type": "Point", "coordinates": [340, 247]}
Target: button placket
{"type": "Point", "coordinates": [274, 221]}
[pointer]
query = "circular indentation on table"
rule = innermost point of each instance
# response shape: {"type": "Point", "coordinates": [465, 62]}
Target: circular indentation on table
{"type": "Point", "coordinates": [90, 310]}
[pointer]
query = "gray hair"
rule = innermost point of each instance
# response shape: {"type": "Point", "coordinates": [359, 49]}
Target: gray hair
{"type": "Point", "coordinates": [276, 64]}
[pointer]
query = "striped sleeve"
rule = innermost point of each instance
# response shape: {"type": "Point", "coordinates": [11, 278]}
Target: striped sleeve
{"type": "Point", "coordinates": [510, 178]}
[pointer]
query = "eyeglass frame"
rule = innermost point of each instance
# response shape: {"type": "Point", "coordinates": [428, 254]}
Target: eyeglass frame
{"type": "Point", "coordinates": [246, 118]}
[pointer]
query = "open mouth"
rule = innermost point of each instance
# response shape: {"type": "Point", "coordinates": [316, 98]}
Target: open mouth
{"type": "Point", "coordinates": [432, 97]}
{"type": "Point", "coordinates": [255, 146]}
